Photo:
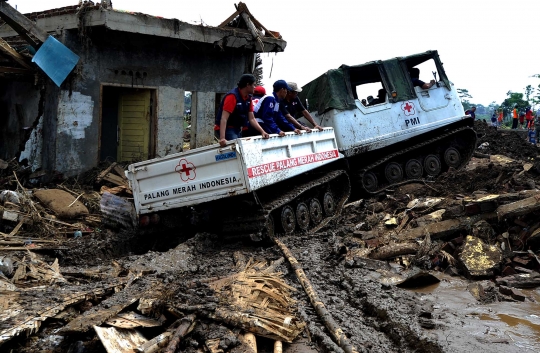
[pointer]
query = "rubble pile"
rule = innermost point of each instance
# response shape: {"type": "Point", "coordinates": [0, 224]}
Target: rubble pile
{"type": "Point", "coordinates": [345, 288]}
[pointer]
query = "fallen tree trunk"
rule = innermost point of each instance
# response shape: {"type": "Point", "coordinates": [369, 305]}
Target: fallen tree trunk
{"type": "Point", "coordinates": [335, 331]}
{"type": "Point", "coordinates": [390, 251]}
{"type": "Point", "coordinates": [181, 331]}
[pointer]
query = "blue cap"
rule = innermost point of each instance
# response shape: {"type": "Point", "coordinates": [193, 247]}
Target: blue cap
{"type": "Point", "coordinates": [279, 84]}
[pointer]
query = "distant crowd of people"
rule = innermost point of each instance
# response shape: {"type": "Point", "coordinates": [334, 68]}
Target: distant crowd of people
{"type": "Point", "coordinates": [248, 111]}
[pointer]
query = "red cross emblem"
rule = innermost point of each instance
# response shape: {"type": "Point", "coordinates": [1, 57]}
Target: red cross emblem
{"type": "Point", "coordinates": [408, 108]}
{"type": "Point", "coordinates": [186, 170]}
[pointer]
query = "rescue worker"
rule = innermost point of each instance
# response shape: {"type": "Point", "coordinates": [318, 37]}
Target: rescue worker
{"type": "Point", "coordinates": [235, 110]}
{"type": "Point", "coordinates": [501, 117]}
{"type": "Point", "coordinates": [258, 93]}
{"type": "Point", "coordinates": [268, 114]}
{"type": "Point", "coordinates": [471, 112]}
{"type": "Point", "coordinates": [529, 118]}
{"type": "Point", "coordinates": [515, 118]}
{"type": "Point", "coordinates": [292, 105]}
{"type": "Point", "coordinates": [415, 77]}
{"type": "Point", "coordinates": [521, 119]}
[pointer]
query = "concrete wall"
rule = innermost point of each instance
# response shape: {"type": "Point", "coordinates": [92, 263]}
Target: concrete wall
{"type": "Point", "coordinates": [170, 120]}
{"type": "Point", "coordinates": [19, 109]}
{"type": "Point", "coordinates": [71, 124]}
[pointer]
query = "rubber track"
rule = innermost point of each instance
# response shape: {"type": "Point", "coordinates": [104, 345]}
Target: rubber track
{"type": "Point", "coordinates": [257, 224]}
{"type": "Point", "coordinates": [469, 154]}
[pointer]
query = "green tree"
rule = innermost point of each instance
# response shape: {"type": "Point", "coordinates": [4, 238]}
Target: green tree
{"type": "Point", "coordinates": [514, 99]}
{"type": "Point", "coordinates": [528, 92]}
{"type": "Point", "coordinates": [463, 94]}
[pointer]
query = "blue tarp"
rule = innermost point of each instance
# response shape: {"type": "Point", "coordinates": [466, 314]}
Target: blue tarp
{"type": "Point", "coordinates": [56, 60]}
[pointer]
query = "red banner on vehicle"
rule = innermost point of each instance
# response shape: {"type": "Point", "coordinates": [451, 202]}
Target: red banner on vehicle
{"type": "Point", "coordinates": [291, 163]}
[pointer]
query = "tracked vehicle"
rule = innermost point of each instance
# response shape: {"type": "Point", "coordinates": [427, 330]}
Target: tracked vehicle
{"type": "Point", "coordinates": [412, 133]}
{"type": "Point", "coordinates": [261, 187]}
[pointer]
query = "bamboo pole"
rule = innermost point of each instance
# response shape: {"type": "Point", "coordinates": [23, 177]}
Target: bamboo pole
{"type": "Point", "coordinates": [182, 330]}
{"type": "Point", "coordinates": [251, 341]}
{"type": "Point", "coordinates": [278, 347]}
{"type": "Point", "coordinates": [335, 331]}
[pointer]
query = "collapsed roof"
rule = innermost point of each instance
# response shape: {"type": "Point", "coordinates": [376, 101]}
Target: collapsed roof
{"type": "Point", "coordinates": [239, 31]}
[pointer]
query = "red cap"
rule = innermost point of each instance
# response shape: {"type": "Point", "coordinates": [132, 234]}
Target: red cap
{"type": "Point", "coordinates": [259, 91]}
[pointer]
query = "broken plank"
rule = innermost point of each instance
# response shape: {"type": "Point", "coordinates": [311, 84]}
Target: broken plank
{"type": "Point", "coordinates": [119, 340]}
{"type": "Point", "coordinates": [41, 248]}
{"type": "Point", "coordinates": [105, 310]}
{"type": "Point", "coordinates": [446, 228]}
{"type": "Point", "coordinates": [115, 179]}
{"type": "Point", "coordinates": [105, 172]}
{"type": "Point", "coordinates": [393, 250]}
{"type": "Point", "coordinates": [120, 171]}
{"type": "Point", "coordinates": [8, 50]}
{"type": "Point", "coordinates": [132, 320]}
{"type": "Point", "coordinates": [16, 229]}
{"type": "Point", "coordinates": [519, 208]}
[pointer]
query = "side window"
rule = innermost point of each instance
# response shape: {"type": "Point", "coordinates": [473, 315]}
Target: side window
{"type": "Point", "coordinates": [371, 94]}
{"type": "Point", "coordinates": [367, 86]}
{"type": "Point", "coordinates": [424, 72]}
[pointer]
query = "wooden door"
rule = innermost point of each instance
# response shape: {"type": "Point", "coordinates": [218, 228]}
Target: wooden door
{"type": "Point", "coordinates": [134, 126]}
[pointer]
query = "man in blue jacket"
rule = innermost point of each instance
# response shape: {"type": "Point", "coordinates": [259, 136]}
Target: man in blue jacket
{"type": "Point", "coordinates": [268, 114]}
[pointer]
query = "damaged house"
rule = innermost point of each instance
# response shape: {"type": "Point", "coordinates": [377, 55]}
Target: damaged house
{"type": "Point", "coordinates": [124, 98]}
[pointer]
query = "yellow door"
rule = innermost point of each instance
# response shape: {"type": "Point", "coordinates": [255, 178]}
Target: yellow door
{"type": "Point", "coordinates": [134, 126]}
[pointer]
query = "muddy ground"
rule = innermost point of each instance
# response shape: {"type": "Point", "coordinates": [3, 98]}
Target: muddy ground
{"type": "Point", "coordinates": [376, 315]}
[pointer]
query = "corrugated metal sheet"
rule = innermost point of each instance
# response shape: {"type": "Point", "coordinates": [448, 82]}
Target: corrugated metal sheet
{"type": "Point", "coordinates": [117, 211]}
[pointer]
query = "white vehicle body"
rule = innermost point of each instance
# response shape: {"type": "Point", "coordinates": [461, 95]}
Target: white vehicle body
{"type": "Point", "coordinates": [214, 172]}
{"type": "Point", "coordinates": [368, 128]}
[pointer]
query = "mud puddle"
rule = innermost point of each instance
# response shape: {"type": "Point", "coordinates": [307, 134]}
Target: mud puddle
{"type": "Point", "coordinates": [465, 325]}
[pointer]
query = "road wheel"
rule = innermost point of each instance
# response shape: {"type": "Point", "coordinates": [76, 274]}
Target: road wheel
{"type": "Point", "coordinates": [329, 205]}
{"type": "Point", "coordinates": [315, 211]}
{"type": "Point", "coordinates": [452, 157]}
{"type": "Point", "coordinates": [432, 165]}
{"type": "Point", "coordinates": [370, 182]}
{"type": "Point", "coordinates": [302, 216]}
{"type": "Point", "coordinates": [393, 172]}
{"type": "Point", "coordinates": [288, 219]}
{"type": "Point", "coordinates": [413, 169]}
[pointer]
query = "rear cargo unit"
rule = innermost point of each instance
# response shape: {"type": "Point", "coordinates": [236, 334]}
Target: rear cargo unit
{"type": "Point", "coordinates": [214, 172]}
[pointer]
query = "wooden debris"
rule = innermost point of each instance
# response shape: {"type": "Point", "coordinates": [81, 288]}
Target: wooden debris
{"type": "Point", "coordinates": [106, 309]}
{"type": "Point", "coordinates": [16, 229]}
{"type": "Point", "coordinates": [258, 301]}
{"type": "Point", "coordinates": [251, 341]}
{"type": "Point", "coordinates": [119, 340]}
{"type": "Point", "coordinates": [446, 228]}
{"type": "Point", "coordinates": [335, 331]}
{"type": "Point", "coordinates": [520, 280]}
{"type": "Point", "coordinates": [37, 269]}
{"type": "Point", "coordinates": [278, 347]}
{"type": "Point", "coordinates": [23, 311]}
{"type": "Point", "coordinates": [185, 327]}
{"type": "Point", "coordinates": [132, 320]}
{"type": "Point", "coordinates": [519, 208]}
{"type": "Point", "coordinates": [156, 343]}
{"type": "Point", "coordinates": [114, 174]}
{"type": "Point", "coordinates": [390, 251]}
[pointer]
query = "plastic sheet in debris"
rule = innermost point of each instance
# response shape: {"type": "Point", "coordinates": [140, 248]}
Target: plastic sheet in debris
{"type": "Point", "coordinates": [56, 60]}
{"type": "Point", "coordinates": [117, 211]}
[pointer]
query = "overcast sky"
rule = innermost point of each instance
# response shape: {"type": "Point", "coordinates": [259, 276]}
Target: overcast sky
{"type": "Point", "coordinates": [487, 47]}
